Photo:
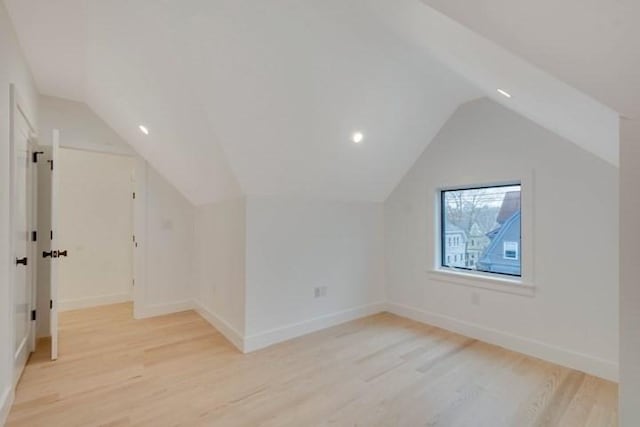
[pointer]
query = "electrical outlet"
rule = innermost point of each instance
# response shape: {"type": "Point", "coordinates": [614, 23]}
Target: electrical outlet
{"type": "Point", "coordinates": [320, 291]}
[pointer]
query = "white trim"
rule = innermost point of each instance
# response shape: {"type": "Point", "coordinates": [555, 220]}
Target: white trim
{"type": "Point", "coordinates": [592, 365]}
{"type": "Point", "coordinates": [267, 338]}
{"type": "Point", "coordinates": [484, 281]}
{"type": "Point", "coordinates": [97, 301]}
{"type": "Point", "coordinates": [221, 325]}
{"type": "Point", "coordinates": [54, 266]}
{"type": "Point", "coordinates": [6, 401]}
{"type": "Point", "coordinates": [154, 310]}
{"type": "Point", "coordinates": [17, 107]}
{"type": "Point", "coordinates": [34, 252]}
{"type": "Point", "coordinates": [140, 232]}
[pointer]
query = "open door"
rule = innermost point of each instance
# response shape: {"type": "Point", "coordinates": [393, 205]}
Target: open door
{"type": "Point", "coordinates": [54, 253]}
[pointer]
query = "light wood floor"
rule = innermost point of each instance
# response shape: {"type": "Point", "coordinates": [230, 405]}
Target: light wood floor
{"type": "Point", "coordinates": [379, 371]}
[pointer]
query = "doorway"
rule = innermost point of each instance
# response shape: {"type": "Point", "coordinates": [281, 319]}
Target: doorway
{"type": "Point", "coordinates": [89, 260]}
{"type": "Point", "coordinates": [95, 226]}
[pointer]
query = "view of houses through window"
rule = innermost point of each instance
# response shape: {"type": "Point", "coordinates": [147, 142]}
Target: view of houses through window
{"type": "Point", "coordinates": [481, 229]}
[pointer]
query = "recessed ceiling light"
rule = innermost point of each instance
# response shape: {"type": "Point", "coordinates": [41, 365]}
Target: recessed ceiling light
{"type": "Point", "coordinates": [357, 137]}
{"type": "Point", "coordinates": [144, 129]}
{"type": "Point", "coordinates": [504, 92]}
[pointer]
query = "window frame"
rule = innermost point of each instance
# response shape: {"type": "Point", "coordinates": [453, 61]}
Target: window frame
{"type": "Point", "coordinates": [443, 225]}
{"type": "Point", "coordinates": [519, 285]}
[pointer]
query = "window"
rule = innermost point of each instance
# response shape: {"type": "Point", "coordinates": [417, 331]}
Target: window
{"type": "Point", "coordinates": [510, 250]}
{"type": "Point", "coordinates": [485, 224]}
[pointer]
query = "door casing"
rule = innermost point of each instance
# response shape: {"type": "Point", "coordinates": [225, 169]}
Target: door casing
{"type": "Point", "coordinates": [18, 108]}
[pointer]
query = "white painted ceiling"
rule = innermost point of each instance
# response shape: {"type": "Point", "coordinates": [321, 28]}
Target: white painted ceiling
{"type": "Point", "coordinates": [593, 45]}
{"type": "Point", "coordinates": [260, 97]}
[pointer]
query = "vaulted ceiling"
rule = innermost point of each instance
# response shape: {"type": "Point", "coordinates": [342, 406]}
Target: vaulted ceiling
{"type": "Point", "coordinates": [593, 45]}
{"type": "Point", "coordinates": [261, 97]}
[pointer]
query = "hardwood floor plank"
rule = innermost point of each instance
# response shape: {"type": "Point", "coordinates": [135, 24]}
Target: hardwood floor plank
{"type": "Point", "coordinates": [383, 370]}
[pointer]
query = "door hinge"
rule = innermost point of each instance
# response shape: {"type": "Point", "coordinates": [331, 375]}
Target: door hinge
{"type": "Point", "coordinates": [34, 236]}
{"type": "Point", "coordinates": [134, 194]}
{"type": "Point", "coordinates": [50, 164]}
{"type": "Point", "coordinates": [50, 304]}
{"type": "Point", "coordinates": [35, 156]}
{"type": "Point", "coordinates": [33, 315]}
{"type": "Point", "coordinates": [51, 234]}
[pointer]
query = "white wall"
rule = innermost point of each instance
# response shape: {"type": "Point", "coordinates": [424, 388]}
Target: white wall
{"type": "Point", "coordinates": [169, 248]}
{"type": "Point", "coordinates": [220, 246]}
{"type": "Point", "coordinates": [13, 69]}
{"type": "Point", "coordinates": [259, 259]}
{"type": "Point", "coordinates": [81, 127]}
{"type": "Point", "coordinates": [294, 245]}
{"type": "Point", "coordinates": [95, 226]}
{"type": "Point", "coordinates": [573, 317]}
{"type": "Point", "coordinates": [629, 273]}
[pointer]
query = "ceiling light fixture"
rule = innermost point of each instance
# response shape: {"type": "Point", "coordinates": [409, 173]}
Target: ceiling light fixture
{"type": "Point", "coordinates": [504, 92]}
{"type": "Point", "coordinates": [357, 137]}
{"type": "Point", "coordinates": [144, 129]}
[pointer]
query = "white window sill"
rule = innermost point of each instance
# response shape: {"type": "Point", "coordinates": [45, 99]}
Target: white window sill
{"type": "Point", "coordinates": [484, 281]}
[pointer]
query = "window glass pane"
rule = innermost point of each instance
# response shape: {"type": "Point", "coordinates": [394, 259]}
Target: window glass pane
{"type": "Point", "coordinates": [481, 229]}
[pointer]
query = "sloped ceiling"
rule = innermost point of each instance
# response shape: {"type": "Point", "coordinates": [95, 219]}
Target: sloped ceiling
{"type": "Point", "coordinates": [260, 97]}
{"type": "Point", "coordinates": [536, 93]}
{"type": "Point", "coordinates": [592, 45]}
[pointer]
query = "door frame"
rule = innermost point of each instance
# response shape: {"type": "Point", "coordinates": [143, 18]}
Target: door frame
{"type": "Point", "coordinates": [53, 260]}
{"type": "Point", "coordinates": [140, 177]}
{"type": "Point", "coordinates": [19, 107]}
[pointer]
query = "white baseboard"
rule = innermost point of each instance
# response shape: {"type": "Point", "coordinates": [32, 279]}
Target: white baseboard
{"type": "Point", "coordinates": [561, 356]}
{"type": "Point", "coordinates": [6, 400]}
{"type": "Point", "coordinates": [247, 344]}
{"type": "Point", "coordinates": [161, 309]}
{"type": "Point", "coordinates": [75, 304]}
{"type": "Point", "coordinates": [221, 325]}
{"type": "Point", "coordinates": [267, 338]}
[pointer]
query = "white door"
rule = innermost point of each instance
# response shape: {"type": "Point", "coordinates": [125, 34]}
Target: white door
{"type": "Point", "coordinates": [55, 252]}
{"type": "Point", "coordinates": [24, 262]}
